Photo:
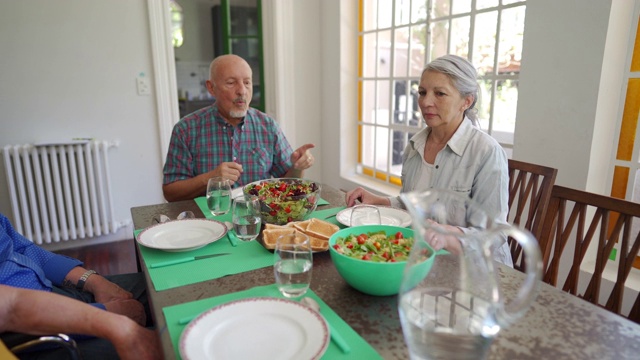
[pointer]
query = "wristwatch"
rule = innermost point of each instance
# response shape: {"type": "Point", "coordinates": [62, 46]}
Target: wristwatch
{"type": "Point", "coordinates": [83, 279]}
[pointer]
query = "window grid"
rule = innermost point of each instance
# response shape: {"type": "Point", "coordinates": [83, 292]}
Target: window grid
{"type": "Point", "coordinates": [399, 118]}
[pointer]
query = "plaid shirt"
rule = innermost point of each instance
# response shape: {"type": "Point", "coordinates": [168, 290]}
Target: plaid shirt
{"type": "Point", "coordinates": [203, 140]}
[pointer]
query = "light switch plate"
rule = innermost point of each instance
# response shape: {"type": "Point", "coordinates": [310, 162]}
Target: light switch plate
{"type": "Point", "coordinates": [143, 85]}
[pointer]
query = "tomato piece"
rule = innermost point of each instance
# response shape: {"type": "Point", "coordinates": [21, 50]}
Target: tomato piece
{"type": "Point", "coordinates": [350, 245]}
{"type": "Point", "coordinates": [361, 239]}
{"type": "Point", "coordinates": [336, 246]}
{"type": "Point", "coordinates": [399, 235]}
{"type": "Point", "coordinates": [377, 245]}
{"type": "Point", "coordinates": [287, 209]}
{"type": "Point", "coordinates": [289, 219]}
{"type": "Point", "coordinates": [366, 257]}
{"type": "Point", "coordinates": [282, 187]}
{"type": "Point", "coordinates": [273, 213]}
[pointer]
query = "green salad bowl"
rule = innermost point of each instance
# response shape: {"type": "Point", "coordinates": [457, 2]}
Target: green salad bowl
{"type": "Point", "coordinates": [372, 278]}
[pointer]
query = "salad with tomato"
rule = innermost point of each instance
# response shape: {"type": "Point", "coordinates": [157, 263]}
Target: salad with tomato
{"type": "Point", "coordinates": [375, 246]}
{"type": "Point", "coordinates": [284, 200]}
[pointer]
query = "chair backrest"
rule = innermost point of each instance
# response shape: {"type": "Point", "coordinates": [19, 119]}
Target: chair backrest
{"type": "Point", "coordinates": [576, 219]}
{"type": "Point", "coordinates": [529, 193]}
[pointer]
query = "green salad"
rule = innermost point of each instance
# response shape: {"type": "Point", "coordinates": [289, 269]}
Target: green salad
{"type": "Point", "coordinates": [375, 246]}
{"type": "Point", "coordinates": [286, 200]}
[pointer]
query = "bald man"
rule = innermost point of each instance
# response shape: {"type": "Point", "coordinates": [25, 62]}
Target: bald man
{"type": "Point", "coordinates": [228, 139]}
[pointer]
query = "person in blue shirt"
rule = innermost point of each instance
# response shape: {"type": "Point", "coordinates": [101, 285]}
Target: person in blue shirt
{"type": "Point", "coordinates": [25, 265]}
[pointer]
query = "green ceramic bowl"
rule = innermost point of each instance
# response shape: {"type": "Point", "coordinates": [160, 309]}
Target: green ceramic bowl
{"type": "Point", "coordinates": [373, 278]}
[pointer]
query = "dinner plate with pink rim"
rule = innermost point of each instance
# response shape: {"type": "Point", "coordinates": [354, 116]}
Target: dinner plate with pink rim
{"type": "Point", "coordinates": [256, 328]}
{"type": "Point", "coordinates": [182, 235]}
{"type": "Point", "coordinates": [388, 216]}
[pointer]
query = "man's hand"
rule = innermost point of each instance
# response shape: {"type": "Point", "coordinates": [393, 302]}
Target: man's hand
{"type": "Point", "coordinates": [105, 291]}
{"type": "Point", "coordinates": [302, 158]}
{"type": "Point", "coordinates": [228, 170]}
{"type": "Point", "coordinates": [130, 308]}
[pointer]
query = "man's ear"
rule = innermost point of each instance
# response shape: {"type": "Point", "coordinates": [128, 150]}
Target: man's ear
{"type": "Point", "coordinates": [210, 87]}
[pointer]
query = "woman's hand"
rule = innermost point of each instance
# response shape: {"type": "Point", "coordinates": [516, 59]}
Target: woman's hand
{"type": "Point", "coordinates": [365, 197]}
{"type": "Point", "coordinates": [437, 236]}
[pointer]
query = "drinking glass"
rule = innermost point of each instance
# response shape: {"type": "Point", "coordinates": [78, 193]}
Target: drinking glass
{"type": "Point", "coordinates": [293, 264]}
{"type": "Point", "coordinates": [365, 215]}
{"type": "Point", "coordinates": [218, 195]}
{"type": "Point", "coordinates": [246, 217]}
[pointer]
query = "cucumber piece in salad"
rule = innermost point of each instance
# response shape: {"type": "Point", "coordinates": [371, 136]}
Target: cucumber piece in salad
{"type": "Point", "coordinates": [375, 246]}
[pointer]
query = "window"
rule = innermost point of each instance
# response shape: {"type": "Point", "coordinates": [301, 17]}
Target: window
{"type": "Point", "coordinates": [238, 30]}
{"type": "Point", "coordinates": [397, 38]}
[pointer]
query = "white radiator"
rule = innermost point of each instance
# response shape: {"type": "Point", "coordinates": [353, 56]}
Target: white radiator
{"type": "Point", "coordinates": [60, 192]}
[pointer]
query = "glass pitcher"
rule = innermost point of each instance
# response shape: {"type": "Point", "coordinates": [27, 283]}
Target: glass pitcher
{"type": "Point", "coordinates": [453, 309]}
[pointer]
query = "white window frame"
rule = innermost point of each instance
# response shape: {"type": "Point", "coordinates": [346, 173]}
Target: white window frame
{"type": "Point", "coordinates": [390, 174]}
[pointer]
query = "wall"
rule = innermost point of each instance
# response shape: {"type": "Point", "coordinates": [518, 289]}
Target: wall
{"type": "Point", "coordinates": [69, 69]}
{"type": "Point", "coordinates": [563, 53]}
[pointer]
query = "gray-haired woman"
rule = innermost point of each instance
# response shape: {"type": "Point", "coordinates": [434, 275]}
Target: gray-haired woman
{"type": "Point", "coordinates": [451, 152]}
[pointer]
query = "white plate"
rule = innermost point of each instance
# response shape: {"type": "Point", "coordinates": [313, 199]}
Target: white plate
{"type": "Point", "coordinates": [256, 328]}
{"type": "Point", "coordinates": [388, 216]}
{"type": "Point", "coordinates": [182, 235]}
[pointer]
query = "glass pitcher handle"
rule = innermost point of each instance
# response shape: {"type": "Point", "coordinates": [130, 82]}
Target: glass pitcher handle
{"type": "Point", "coordinates": [533, 273]}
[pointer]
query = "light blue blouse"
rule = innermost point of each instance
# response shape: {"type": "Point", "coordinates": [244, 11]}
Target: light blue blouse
{"type": "Point", "coordinates": [472, 164]}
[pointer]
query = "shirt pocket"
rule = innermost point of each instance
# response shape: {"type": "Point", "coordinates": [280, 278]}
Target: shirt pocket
{"type": "Point", "coordinates": [260, 161]}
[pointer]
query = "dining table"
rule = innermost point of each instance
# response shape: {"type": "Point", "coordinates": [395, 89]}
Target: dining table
{"type": "Point", "coordinates": [558, 325]}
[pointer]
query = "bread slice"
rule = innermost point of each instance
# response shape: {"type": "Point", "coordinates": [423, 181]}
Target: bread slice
{"type": "Point", "coordinates": [274, 226]}
{"type": "Point", "coordinates": [321, 229]}
{"type": "Point", "coordinates": [318, 244]}
{"type": "Point", "coordinates": [300, 225]}
{"type": "Point", "coordinates": [270, 236]}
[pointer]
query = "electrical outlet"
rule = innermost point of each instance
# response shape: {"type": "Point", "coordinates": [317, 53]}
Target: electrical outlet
{"type": "Point", "coordinates": [143, 85]}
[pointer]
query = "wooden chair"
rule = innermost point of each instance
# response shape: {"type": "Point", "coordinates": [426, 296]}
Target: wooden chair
{"type": "Point", "coordinates": [575, 219]}
{"type": "Point", "coordinates": [529, 193]}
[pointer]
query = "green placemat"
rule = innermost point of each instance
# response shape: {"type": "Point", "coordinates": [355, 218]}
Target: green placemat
{"type": "Point", "coordinates": [360, 349]}
{"type": "Point", "coordinates": [325, 215]}
{"type": "Point", "coordinates": [246, 256]}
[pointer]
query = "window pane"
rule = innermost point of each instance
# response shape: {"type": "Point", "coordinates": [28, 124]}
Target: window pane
{"type": "Point", "coordinates": [244, 19]}
{"type": "Point", "coordinates": [460, 6]}
{"type": "Point", "coordinates": [400, 140]}
{"type": "Point", "coordinates": [484, 42]}
{"type": "Point", "coordinates": [505, 105]}
{"type": "Point", "coordinates": [439, 39]}
{"type": "Point", "coordinates": [418, 11]}
{"type": "Point", "coordinates": [369, 55]}
{"type": "Point", "coordinates": [384, 53]}
{"type": "Point", "coordinates": [403, 12]}
{"type": "Point", "coordinates": [460, 36]}
{"type": "Point", "coordinates": [368, 103]}
{"type": "Point", "coordinates": [483, 4]}
{"type": "Point", "coordinates": [440, 8]}
{"type": "Point", "coordinates": [418, 45]}
{"type": "Point", "coordinates": [511, 34]}
{"type": "Point", "coordinates": [508, 2]}
{"type": "Point", "coordinates": [369, 13]}
{"type": "Point", "coordinates": [385, 9]}
{"type": "Point", "coordinates": [368, 143]}
{"type": "Point", "coordinates": [401, 102]}
{"type": "Point", "coordinates": [401, 52]}
{"type": "Point", "coordinates": [382, 109]}
{"type": "Point", "coordinates": [382, 148]}
{"type": "Point", "coordinates": [484, 103]}
{"type": "Point", "coordinates": [415, 118]}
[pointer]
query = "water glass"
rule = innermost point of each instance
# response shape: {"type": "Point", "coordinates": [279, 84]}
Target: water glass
{"type": "Point", "coordinates": [365, 215]}
{"type": "Point", "coordinates": [218, 195]}
{"type": "Point", "coordinates": [293, 264]}
{"type": "Point", "coordinates": [246, 217]}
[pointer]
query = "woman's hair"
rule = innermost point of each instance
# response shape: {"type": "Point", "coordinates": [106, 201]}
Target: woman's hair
{"type": "Point", "coordinates": [463, 76]}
